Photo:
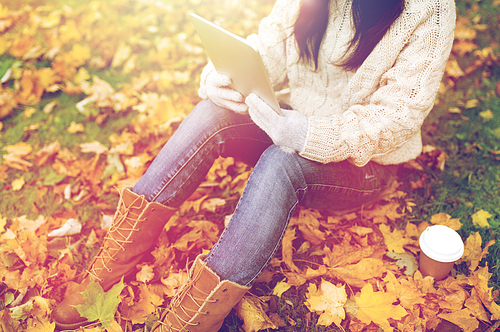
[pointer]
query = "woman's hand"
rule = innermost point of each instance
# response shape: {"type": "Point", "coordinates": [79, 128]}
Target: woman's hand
{"type": "Point", "coordinates": [215, 86]}
{"type": "Point", "coordinates": [287, 131]}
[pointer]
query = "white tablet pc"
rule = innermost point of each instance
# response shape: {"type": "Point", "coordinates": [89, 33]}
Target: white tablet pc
{"type": "Point", "coordinates": [234, 57]}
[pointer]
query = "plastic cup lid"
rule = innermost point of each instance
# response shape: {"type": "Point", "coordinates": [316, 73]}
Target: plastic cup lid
{"type": "Point", "coordinates": [441, 243]}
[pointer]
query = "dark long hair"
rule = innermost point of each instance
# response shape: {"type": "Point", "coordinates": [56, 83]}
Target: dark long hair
{"type": "Point", "coordinates": [371, 18]}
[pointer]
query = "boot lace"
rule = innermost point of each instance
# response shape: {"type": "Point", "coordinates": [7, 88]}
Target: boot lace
{"type": "Point", "coordinates": [125, 223]}
{"type": "Point", "coordinates": [177, 304]}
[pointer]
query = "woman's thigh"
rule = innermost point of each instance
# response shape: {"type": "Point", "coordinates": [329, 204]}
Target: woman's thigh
{"type": "Point", "coordinates": [342, 185]}
{"type": "Point", "coordinates": [207, 133]}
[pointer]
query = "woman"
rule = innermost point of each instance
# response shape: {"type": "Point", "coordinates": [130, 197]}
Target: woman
{"type": "Point", "coordinates": [362, 75]}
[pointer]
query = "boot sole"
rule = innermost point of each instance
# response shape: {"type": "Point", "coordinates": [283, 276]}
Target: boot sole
{"type": "Point", "coordinates": [71, 327]}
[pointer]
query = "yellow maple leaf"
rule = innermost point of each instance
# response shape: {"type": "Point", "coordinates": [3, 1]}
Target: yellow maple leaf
{"type": "Point", "coordinates": [473, 251]}
{"type": "Point", "coordinates": [3, 222]}
{"type": "Point", "coordinates": [78, 55]}
{"type": "Point", "coordinates": [253, 314]}
{"type": "Point", "coordinates": [394, 240]}
{"type": "Point", "coordinates": [476, 306]}
{"type": "Point", "coordinates": [40, 325]}
{"type": "Point", "coordinates": [462, 318]}
{"type": "Point", "coordinates": [446, 220]}
{"type": "Point", "coordinates": [280, 288]}
{"type": "Point", "coordinates": [380, 213]}
{"type": "Point", "coordinates": [357, 274]}
{"type": "Point", "coordinates": [378, 307]}
{"type": "Point", "coordinates": [122, 53]}
{"type": "Point", "coordinates": [145, 274]}
{"type": "Point", "coordinates": [287, 249]}
{"type": "Point", "coordinates": [69, 32]}
{"type": "Point", "coordinates": [148, 301]}
{"type": "Point", "coordinates": [480, 218]}
{"type": "Point", "coordinates": [486, 115]}
{"type": "Point", "coordinates": [308, 223]}
{"type": "Point", "coordinates": [406, 290]}
{"type": "Point", "coordinates": [479, 279]}
{"type": "Point", "coordinates": [75, 128]}
{"type": "Point", "coordinates": [94, 146]}
{"type": "Point", "coordinates": [453, 69]}
{"type": "Point", "coordinates": [328, 300]}
{"type": "Point", "coordinates": [19, 149]}
{"type": "Point", "coordinates": [18, 184]}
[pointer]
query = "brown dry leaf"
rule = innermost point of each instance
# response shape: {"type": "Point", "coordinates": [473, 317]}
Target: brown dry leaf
{"type": "Point", "coordinates": [328, 301]}
{"type": "Point", "coordinates": [378, 307]}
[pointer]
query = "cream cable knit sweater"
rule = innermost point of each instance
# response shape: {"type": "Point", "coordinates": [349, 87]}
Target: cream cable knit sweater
{"type": "Point", "coordinates": [376, 112]}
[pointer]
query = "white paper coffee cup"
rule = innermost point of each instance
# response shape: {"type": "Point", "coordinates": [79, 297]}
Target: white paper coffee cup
{"type": "Point", "coordinates": [440, 248]}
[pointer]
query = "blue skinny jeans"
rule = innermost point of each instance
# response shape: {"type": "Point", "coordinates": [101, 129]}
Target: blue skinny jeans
{"type": "Point", "coordinates": [278, 183]}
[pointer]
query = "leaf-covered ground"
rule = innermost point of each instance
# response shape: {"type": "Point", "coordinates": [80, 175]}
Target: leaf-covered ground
{"type": "Point", "coordinates": [90, 92]}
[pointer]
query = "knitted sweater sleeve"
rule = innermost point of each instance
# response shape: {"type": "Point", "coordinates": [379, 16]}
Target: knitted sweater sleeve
{"type": "Point", "coordinates": [402, 76]}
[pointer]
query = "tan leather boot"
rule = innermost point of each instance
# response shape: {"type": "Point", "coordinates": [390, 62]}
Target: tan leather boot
{"type": "Point", "coordinates": [202, 302]}
{"type": "Point", "coordinates": [136, 227]}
